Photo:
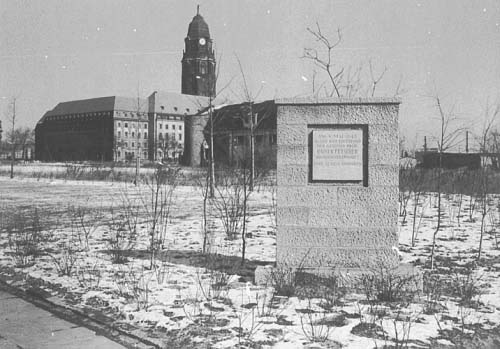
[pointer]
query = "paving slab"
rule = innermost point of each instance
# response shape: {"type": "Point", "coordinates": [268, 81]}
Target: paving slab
{"type": "Point", "coordinates": [25, 326]}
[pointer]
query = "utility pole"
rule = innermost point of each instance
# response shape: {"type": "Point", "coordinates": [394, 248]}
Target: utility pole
{"type": "Point", "coordinates": [212, 162]}
{"type": "Point", "coordinates": [252, 147]}
{"type": "Point", "coordinates": [466, 141]}
{"type": "Point", "coordinates": [13, 138]}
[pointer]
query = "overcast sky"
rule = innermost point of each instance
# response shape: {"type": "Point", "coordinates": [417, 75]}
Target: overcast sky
{"type": "Point", "coordinates": [53, 51]}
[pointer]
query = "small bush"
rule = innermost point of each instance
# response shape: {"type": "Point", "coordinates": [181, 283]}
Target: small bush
{"type": "Point", "coordinates": [25, 233]}
{"type": "Point", "coordinates": [384, 284]}
{"type": "Point", "coordinates": [65, 261]}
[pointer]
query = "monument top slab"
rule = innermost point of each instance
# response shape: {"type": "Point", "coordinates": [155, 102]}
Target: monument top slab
{"type": "Point", "coordinates": [336, 100]}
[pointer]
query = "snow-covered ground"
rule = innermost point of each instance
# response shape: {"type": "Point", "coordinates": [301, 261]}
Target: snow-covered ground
{"type": "Point", "coordinates": [184, 298]}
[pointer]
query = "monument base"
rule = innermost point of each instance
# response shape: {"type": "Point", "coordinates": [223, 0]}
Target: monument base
{"type": "Point", "coordinates": [403, 275]}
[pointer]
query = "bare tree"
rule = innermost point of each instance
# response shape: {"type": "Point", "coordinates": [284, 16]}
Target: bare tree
{"type": "Point", "coordinates": [250, 121]}
{"type": "Point", "coordinates": [158, 203]}
{"type": "Point", "coordinates": [325, 61]}
{"type": "Point", "coordinates": [348, 81]}
{"type": "Point", "coordinates": [447, 138]}
{"type": "Point", "coordinates": [11, 136]}
{"type": "Point", "coordinates": [490, 116]}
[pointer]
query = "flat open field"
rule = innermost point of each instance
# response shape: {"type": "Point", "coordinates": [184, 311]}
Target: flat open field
{"type": "Point", "coordinates": [191, 299]}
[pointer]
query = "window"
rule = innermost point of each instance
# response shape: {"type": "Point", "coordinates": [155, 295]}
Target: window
{"type": "Point", "coordinates": [145, 126]}
{"type": "Point", "coordinates": [180, 127]}
{"type": "Point", "coordinates": [119, 154]}
{"type": "Point", "coordinates": [133, 134]}
{"type": "Point", "coordinates": [239, 140]}
{"type": "Point", "coordinates": [126, 124]}
{"type": "Point", "coordinates": [126, 145]}
{"type": "Point", "coordinates": [203, 67]}
{"type": "Point", "coordinates": [273, 139]}
{"type": "Point", "coordinates": [173, 127]}
{"type": "Point", "coordinates": [145, 144]}
{"type": "Point", "coordinates": [119, 134]}
{"type": "Point", "coordinates": [145, 135]}
{"type": "Point", "coordinates": [145, 155]}
{"type": "Point", "coordinates": [119, 124]}
{"type": "Point", "coordinates": [180, 136]}
{"type": "Point", "coordinates": [173, 136]}
{"type": "Point", "coordinates": [126, 134]}
{"type": "Point", "coordinates": [160, 135]}
{"type": "Point", "coordinates": [160, 126]}
{"type": "Point", "coordinates": [133, 144]}
{"type": "Point", "coordinates": [166, 127]}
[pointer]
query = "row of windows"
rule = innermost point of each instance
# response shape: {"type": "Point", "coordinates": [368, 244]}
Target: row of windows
{"type": "Point", "coordinates": [160, 126]}
{"type": "Point", "coordinates": [125, 145]}
{"type": "Point", "coordinates": [169, 117]}
{"type": "Point", "coordinates": [133, 125]}
{"type": "Point", "coordinates": [124, 114]}
{"type": "Point", "coordinates": [160, 136]}
{"type": "Point", "coordinates": [78, 116]}
{"type": "Point", "coordinates": [119, 134]}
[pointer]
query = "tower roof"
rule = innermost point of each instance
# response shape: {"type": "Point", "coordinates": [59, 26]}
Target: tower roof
{"type": "Point", "coordinates": [198, 27]}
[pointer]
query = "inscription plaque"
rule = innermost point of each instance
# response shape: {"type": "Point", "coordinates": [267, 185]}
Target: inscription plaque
{"type": "Point", "coordinates": [337, 155]}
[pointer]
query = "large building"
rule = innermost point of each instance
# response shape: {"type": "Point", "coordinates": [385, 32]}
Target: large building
{"type": "Point", "coordinates": [123, 128]}
{"type": "Point", "coordinates": [116, 128]}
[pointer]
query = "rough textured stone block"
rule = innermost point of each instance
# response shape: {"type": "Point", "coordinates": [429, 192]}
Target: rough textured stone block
{"type": "Point", "coordinates": [371, 195]}
{"type": "Point", "coordinates": [292, 154]}
{"type": "Point", "coordinates": [336, 258]}
{"type": "Point", "coordinates": [382, 154]}
{"type": "Point", "coordinates": [291, 175]}
{"type": "Point", "coordinates": [336, 237]}
{"type": "Point", "coordinates": [295, 215]}
{"type": "Point", "coordinates": [311, 196]}
{"type": "Point", "coordinates": [292, 135]}
{"type": "Point", "coordinates": [383, 175]}
{"type": "Point", "coordinates": [383, 133]}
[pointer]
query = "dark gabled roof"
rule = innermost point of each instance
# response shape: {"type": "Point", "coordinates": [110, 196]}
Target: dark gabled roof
{"type": "Point", "coordinates": [99, 104]}
{"type": "Point", "coordinates": [236, 116]}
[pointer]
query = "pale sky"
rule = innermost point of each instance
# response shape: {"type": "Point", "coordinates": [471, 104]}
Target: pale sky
{"type": "Point", "coordinates": [53, 51]}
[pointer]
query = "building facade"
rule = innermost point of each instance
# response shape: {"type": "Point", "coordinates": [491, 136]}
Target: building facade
{"type": "Point", "coordinates": [124, 128]}
{"type": "Point", "coordinates": [232, 132]}
{"type": "Point", "coordinates": [116, 128]}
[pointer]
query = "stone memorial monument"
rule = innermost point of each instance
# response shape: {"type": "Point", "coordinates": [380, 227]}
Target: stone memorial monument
{"type": "Point", "coordinates": [337, 183]}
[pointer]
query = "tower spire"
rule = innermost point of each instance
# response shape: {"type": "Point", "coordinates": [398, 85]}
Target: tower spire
{"type": "Point", "coordinates": [198, 10]}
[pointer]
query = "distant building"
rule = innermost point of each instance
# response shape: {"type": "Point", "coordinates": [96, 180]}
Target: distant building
{"type": "Point", "coordinates": [115, 128]}
{"type": "Point", "coordinates": [123, 128]}
{"type": "Point", "coordinates": [231, 131]}
{"type": "Point", "coordinates": [431, 159]}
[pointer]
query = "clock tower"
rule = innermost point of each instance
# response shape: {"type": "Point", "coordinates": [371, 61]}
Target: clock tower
{"type": "Point", "coordinates": [198, 60]}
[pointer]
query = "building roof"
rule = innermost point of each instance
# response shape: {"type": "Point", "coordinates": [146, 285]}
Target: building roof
{"type": "Point", "coordinates": [176, 103]}
{"type": "Point", "coordinates": [236, 116]}
{"type": "Point", "coordinates": [198, 28]}
{"type": "Point", "coordinates": [99, 104]}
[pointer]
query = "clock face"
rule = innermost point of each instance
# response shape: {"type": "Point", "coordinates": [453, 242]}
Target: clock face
{"type": "Point", "coordinates": [202, 41]}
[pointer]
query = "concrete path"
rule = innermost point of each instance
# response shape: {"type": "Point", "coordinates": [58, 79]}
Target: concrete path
{"type": "Point", "coordinates": [24, 326]}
